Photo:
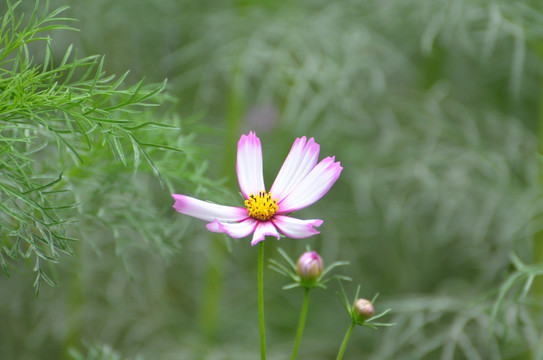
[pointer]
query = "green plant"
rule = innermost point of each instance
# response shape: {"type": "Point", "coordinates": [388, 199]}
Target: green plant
{"type": "Point", "coordinates": [69, 130]}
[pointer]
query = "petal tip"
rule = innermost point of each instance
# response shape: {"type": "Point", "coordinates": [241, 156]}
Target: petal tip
{"type": "Point", "coordinates": [263, 237]}
{"type": "Point", "coordinates": [178, 204]}
{"type": "Point", "coordinates": [214, 226]}
{"type": "Point", "coordinates": [248, 137]}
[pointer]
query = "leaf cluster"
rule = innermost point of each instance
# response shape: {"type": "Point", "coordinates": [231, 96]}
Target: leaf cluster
{"type": "Point", "coordinates": [59, 117]}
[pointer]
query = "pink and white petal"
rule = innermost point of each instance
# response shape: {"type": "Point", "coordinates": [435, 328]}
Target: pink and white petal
{"type": "Point", "coordinates": [249, 165]}
{"type": "Point", "coordinates": [263, 229]}
{"type": "Point", "coordinates": [313, 187]}
{"type": "Point", "coordinates": [235, 230]}
{"type": "Point", "coordinates": [296, 228]}
{"type": "Point", "coordinates": [207, 211]}
{"type": "Point", "coordinates": [303, 157]}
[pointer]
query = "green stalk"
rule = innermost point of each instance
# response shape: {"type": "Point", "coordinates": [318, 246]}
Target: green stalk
{"type": "Point", "coordinates": [261, 300]}
{"type": "Point", "coordinates": [301, 324]}
{"type": "Point", "coordinates": [213, 288]}
{"type": "Point", "coordinates": [537, 242]}
{"type": "Point", "coordinates": [345, 341]}
{"type": "Point", "coordinates": [76, 299]}
{"type": "Point", "coordinates": [213, 281]}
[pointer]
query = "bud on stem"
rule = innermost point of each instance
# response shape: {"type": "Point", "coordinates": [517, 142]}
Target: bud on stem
{"type": "Point", "coordinates": [363, 310]}
{"type": "Point", "coordinates": [309, 266]}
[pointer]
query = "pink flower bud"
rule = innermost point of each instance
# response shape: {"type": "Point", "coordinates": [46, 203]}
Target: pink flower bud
{"type": "Point", "coordinates": [363, 309]}
{"type": "Point", "coordinates": [309, 266]}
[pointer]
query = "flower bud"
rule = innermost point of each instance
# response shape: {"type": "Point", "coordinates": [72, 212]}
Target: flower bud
{"type": "Point", "coordinates": [363, 310]}
{"type": "Point", "coordinates": [309, 266]}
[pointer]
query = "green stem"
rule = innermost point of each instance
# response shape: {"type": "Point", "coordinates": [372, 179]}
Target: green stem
{"type": "Point", "coordinates": [345, 341]}
{"type": "Point", "coordinates": [213, 280]}
{"type": "Point", "coordinates": [537, 242]}
{"type": "Point", "coordinates": [301, 324]}
{"type": "Point", "coordinates": [76, 299]}
{"type": "Point", "coordinates": [261, 300]}
{"type": "Point", "coordinates": [209, 312]}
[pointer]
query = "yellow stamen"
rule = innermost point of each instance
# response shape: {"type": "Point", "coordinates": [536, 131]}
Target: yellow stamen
{"type": "Point", "coordinates": [261, 206]}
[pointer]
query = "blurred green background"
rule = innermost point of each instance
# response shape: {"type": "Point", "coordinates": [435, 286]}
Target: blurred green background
{"type": "Point", "coordinates": [433, 108]}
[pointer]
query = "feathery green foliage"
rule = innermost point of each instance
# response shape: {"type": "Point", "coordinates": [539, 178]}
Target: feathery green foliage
{"type": "Point", "coordinates": [62, 121]}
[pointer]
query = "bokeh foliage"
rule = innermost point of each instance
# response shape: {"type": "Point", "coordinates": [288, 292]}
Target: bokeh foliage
{"type": "Point", "coordinates": [433, 108]}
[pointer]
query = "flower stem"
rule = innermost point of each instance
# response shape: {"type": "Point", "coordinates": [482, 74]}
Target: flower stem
{"type": "Point", "coordinates": [261, 300]}
{"type": "Point", "coordinates": [345, 341]}
{"type": "Point", "coordinates": [301, 324]}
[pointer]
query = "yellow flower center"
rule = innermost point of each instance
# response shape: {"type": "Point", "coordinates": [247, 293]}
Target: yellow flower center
{"type": "Point", "coordinates": [261, 206]}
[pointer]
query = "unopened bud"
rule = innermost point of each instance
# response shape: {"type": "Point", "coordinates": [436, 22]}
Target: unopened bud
{"type": "Point", "coordinates": [363, 310]}
{"type": "Point", "coordinates": [309, 266]}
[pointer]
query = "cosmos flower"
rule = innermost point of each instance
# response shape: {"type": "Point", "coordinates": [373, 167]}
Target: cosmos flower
{"type": "Point", "coordinates": [301, 181]}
